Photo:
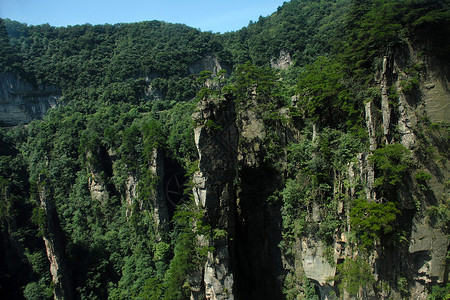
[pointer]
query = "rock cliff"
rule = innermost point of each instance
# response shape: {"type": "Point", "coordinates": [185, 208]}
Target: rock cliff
{"type": "Point", "coordinates": [21, 102]}
{"type": "Point", "coordinates": [208, 63]}
{"type": "Point", "coordinates": [234, 185]}
{"type": "Point", "coordinates": [214, 190]}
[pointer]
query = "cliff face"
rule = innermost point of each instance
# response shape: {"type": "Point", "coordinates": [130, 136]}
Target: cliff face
{"type": "Point", "coordinates": [21, 102]}
{"type": "Point", "coordinates": [214, 191]}
{"type": "Point", "coordinates": [422, 108]}
{"type": "Point", "coordinates": [208, 63]}
{"type": "Point", "coordinates": [258, 259]}
{"type": "Point", "coordinates": [414, 95]}
{"type": "Point", "coordinates": [238, 183]}
{"type": "Point", "coordinates": [234, 185]}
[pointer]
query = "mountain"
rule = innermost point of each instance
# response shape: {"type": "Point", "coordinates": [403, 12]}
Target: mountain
{"type": "Point", "coordinates": [303, 156]}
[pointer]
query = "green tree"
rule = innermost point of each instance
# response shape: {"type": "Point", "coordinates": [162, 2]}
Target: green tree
{"type": "Point", "coordinates": [391, 163]}
{"type": "Point", "coordinates": [355, 274]}
{"type": "Point", "coordinates": [372, 221]}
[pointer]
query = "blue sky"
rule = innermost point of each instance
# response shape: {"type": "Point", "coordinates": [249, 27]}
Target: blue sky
{"type": "Point", "coordinates": [212, 15]}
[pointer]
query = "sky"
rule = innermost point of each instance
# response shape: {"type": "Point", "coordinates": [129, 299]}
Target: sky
{"type": "Point", "coordinates": [213, 15]}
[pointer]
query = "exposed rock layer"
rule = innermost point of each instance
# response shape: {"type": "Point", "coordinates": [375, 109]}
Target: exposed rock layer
{"type": "Point", "coordinates": [21, 102]}
{"type": "Point", "coordinates": [213, 190]}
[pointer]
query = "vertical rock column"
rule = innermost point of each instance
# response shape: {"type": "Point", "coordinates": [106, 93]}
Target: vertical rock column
{"type": "Point", "coordinates": [367, 171]}
{"type": "Point", "coordinates": [54, 244]}
{"type": "Point", "coordinates": [386, 110]}
{"type": "Point", "coordinates": [216, 140]}
{"type": "Point", "coordinates": [259, 270]}
{"type": "Point", "coordinates": [160, 211]}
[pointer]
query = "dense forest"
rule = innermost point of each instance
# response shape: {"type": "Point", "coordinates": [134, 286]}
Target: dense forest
{"type": "Point", "coordinates": [301, 157]}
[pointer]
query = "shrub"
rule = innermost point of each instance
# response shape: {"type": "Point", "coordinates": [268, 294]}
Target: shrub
{"type": "Point", "coordinates": [370, 220]}
{"type": "Point", "coordinates": [440, 292]}
{"type": "Point", "coordinates": [354, 274]}
{"type": "Point", "coordinates": [391, 162]}
{"type": "Point", "coordinates": [422, 178]}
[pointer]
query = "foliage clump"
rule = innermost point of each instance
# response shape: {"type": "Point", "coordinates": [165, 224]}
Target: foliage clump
{"type": "Point", "coordinates": [391, 162]}
{"type": "Point", "coordinates": [372, 220]}
{"type": "Point", "coordinates": [354, 275]}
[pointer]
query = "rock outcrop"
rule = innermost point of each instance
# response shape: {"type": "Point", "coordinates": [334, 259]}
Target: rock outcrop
{"type": "Point", "coordinates": [386, 81]}
{"type": "Point", "coordinates": [429, 241]}
{"type": "Point", "coordinates": [229, 185]}
{"type": "Point", "coordinates": [428, 248]}
{"type": "Point", "coordinates": [234, 183]}
{"type": "Point", "coordinates": [283, 61]}
{"type": "Point", "coordinates": [214, 189]}
{"type": "Point", "coordinates": [314, 263]}
{"type": "Point", "coordinates": [258, 259]}
{"type": "Point", "coordinates": [54, 244]}
{"type": "Point", "coordinates": [21, 102]}
{"type": "Point", "coordinates": [208, 63]}
{"type": "Point", "coordinates": [160, 210]}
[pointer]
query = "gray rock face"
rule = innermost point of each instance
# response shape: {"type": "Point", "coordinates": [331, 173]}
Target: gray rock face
{"type": "Point", "coordinates": [428, 243]}
{"type": "Point", "coordinates": [397, 116]}
{"type": "Point", "coordinates": [232, 186]}
{"type": "Point", "coordinates": [283, 61]}
{"type": "Point", "coordinates": [213, 191]}
{"type": "Point", "coordinates": [160, 210]}
{"type": "Point", "coordinates": [21, 102]}
{"type": "Point", "coordinates": [371, 124]}
{"type": "Point", "coordinates": [314, 262]}
{"type": "Point", "coordinates": [435, 90]}
{"type": "Point", "coordinates": [386, 110]}
{"type": "Point", "coordinates": [428, 247]}
{"type": "Point", "coordinates": [208, 63]}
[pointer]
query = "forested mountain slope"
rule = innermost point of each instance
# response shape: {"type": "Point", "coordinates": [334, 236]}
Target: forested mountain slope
{"type": "Point", "coordinates": [303, 156]}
